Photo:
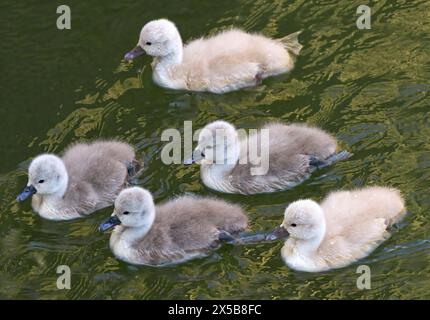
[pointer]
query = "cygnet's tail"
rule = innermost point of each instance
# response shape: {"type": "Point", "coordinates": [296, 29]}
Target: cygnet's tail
{"type": "Point", "coordinates": [291, 42]}
{"type": "Point", "coordinates": [319, 163]}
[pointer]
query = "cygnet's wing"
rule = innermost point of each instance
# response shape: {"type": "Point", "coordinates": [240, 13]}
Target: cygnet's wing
{"type": "Point", "coordinates": [100, 166]}
{"type": "Point", "coordinates": [232, 59]}
{"type": "Point", "coordinates": [345, 209]}
{"type": "Point", "coordinates": [80, 200]}
{"type": "Point", "coordinates": [193, 224]}
{"type": "Point", "coordinates": [355, 243]}
{"type": "Point", "coordinates": [290, 150]}
{"type": "Point", "coordinates": [357, 222]}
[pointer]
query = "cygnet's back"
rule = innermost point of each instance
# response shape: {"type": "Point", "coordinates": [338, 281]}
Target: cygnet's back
{"type": "Point", "coordinates": [352, 208]}
{"type": "Point", "coordinates": [291, 150]}
{"type": "Point", "coordinates": [232, 59]}
{"type": "Point", "coordinates": [357, 221]}
{"type": "Point", "coordinates": [233, 43]}
{"type": "Point", "coordinates": [97, 172]}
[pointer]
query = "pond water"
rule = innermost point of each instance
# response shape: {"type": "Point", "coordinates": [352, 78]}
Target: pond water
{"type": "Point", "coordinates": [370, 88]}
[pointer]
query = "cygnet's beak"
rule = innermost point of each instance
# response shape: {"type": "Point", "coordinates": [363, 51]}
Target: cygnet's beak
{"type": "Point", "coordinates": [194, 158]}
{"type": "Point", "coordinates": [26, 193]}
{"type": "Point", "coordinates": [138, 51]}
{"type": "Point", "coordinates": [278, 233]}
{"type": "Point", "coordinates": [109, 223]}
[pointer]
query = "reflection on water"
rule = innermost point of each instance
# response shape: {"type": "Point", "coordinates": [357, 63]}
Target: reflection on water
{"type": "Point", "coordinates": [368, 87]}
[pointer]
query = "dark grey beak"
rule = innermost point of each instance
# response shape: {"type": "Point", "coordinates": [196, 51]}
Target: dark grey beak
{"type": "Point", "coordinates": [195, 157]}
{"type": "Point", "coordinates": [189, 160]}
{"type": "Point", "coordinates": [109, 223]}
{"type": "Point", "coordinates": [277, 233]}
{"type": "Point", "coordinates": [26, 193]}
{"type": "Point", "coordinates": [138, 51]}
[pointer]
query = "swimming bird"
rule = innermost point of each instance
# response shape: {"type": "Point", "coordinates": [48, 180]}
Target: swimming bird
{"type": "Point", "coordinates": [86, 178]}
{"type": "Point", "coordinates": [230, 60]}
{"type": "Point", "coordinates": [289, 154]}
{"type": "Point", "coordinates": [345, 227]}
{"type": "Point", "coordinates": [176, 231]}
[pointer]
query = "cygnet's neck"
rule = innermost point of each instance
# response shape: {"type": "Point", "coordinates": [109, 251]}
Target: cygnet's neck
{"type": "Point", "coordinates": [308, 247]}
{"type": "Point", "coordinates": [61, 191]}
{"type": "Point", "coordinates": [216, 175]}
{"type": "Point", "coordinates": [132, 234]}
{"type": "Point", "coordinates": [174, 58]}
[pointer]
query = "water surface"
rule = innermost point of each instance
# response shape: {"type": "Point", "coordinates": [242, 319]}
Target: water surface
{"type": "Point", "coordinates": [370, 88]}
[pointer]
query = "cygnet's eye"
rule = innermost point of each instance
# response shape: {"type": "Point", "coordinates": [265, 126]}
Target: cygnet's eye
{"type": "Point", "coordinates": [203, 154]}
{"type": "Point", "coordinates": [126, 212]}
{"type": "Point", "coordinates": [294, 225]}
{"type": "Point", "coordinates": [148, 43]}
{"type": "Point", "coordinates": [41, 181]}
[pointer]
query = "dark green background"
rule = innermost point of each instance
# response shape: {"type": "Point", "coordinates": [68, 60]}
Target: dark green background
{"type": "Point", "coordinates": [368, 87]}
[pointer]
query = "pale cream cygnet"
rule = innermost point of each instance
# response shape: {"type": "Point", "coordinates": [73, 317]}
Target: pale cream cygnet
{"type": "Point", "coordinates": [345, 227]}
{"type": "Point", "coordinates": [230, 60]}
{"type": "Point", "coordinates": [179, 230]}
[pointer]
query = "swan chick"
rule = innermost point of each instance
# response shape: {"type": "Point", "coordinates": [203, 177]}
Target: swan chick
{"type": "Point", "coordinates": [179, 230]}
{"type": "Point", "coordinates": [286, 156]}
{"type": "Point", "coordinates": [346, 227]}
{"type": "Point", "coordinates": [230, 60]}
{"type": "Point", "coordinates": [86, 178]}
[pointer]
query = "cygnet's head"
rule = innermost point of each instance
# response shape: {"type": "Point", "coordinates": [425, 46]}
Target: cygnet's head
{"type": "Point", "coordinates": [218, 143]}
{"type": "Point", "coordinates": [158, 38]}
{"type": "Point", "coordinates": [134, 207]}
{"type": "Point", "coordinates": [47, 175]}
{"type": "Point", "coordinates": [304, 220]}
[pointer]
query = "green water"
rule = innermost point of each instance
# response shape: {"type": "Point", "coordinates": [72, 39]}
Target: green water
{"type": "Point", "coordinates": [370, 88]}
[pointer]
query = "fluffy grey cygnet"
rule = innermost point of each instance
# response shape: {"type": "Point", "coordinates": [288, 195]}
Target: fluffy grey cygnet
{"type": "Point", "coordinates": [179, 230]}
{"type": "Point", "coordinates": [86, 178]}
{"type": "Point", "coordinates": [293, 152]}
